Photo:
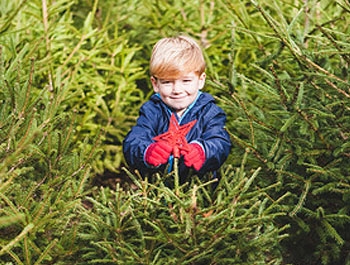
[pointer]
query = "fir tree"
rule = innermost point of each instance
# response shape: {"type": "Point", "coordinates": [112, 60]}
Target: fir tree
{"type": "Point", "coordinates": [292, 113]}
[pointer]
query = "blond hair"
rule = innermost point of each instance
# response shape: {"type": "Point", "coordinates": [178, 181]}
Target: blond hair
{"type": "Point", "coordinates": [175, 56]}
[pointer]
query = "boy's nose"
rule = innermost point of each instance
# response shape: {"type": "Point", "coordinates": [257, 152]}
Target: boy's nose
{"type": "Point", "coordinates": [176, 87]}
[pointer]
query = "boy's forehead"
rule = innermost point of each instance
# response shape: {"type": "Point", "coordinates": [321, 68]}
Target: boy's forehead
{"type": "Point", "coordinates": [181, 75]}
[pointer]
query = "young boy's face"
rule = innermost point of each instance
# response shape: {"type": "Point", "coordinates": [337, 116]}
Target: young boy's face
{"type": "Point", "coordinates": [179, 93]}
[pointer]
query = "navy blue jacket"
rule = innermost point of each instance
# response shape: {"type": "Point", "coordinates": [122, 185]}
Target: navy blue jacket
{"type": "Point", "coordinates": [154, 119]}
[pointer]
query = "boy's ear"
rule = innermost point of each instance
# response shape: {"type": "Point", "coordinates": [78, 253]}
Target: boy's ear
{"type": "Point", "coordinates": [154, 84]}
{"type": "Point", "coordinates": [202, 80]}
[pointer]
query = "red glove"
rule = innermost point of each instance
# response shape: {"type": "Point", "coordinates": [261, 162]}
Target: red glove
{"type": "Point", "coordinates": [195, 157]}
{"type": "Point", "coordinates": [158, 153]}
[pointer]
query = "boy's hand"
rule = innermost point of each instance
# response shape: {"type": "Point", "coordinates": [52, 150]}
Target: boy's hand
{"type": "Point", "coordinates": [158, 153]}
{"type": "Point", "coordinates": [195, 157]}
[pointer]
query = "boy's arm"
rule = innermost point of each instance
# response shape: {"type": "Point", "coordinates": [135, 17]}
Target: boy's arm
{"type": "Point", "coordinates": [138, 139]}
{"type": "Point", "coordinates": [215, 141]}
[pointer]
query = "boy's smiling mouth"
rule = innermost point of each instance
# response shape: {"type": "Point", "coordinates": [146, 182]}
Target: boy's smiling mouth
{"type": "Point", "coordinates": [178, 97]}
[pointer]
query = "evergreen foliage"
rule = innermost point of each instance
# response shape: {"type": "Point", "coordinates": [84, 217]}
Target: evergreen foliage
{"type": "Point", "coordinates": [93, 58]}
{"type": "Point", "coordinates": [155, 224]}
{"type": "Point", "coordinates": [292, 113]}
{"type": "Point", "coordinates": [42, 174]}
{"type": "Point", "coordinates": [73, 75]}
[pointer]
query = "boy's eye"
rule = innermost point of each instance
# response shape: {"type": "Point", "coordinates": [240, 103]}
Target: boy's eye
{"type": "Point", "coordinates": [170, 82]}
{"type": "Point", "coordinates": [165, 82]}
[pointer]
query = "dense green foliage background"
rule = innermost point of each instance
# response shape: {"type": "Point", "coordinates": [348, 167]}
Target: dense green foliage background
{"type": "Point", "coordinates": [73, 75]}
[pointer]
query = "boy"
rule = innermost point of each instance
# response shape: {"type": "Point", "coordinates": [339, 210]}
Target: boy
{"type": "Point", "coordinates": [177, 70]}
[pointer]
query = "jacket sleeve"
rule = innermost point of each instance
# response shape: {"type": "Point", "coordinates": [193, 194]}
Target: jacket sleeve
{"type": "Point", "coordinates": [215, 139]}
{"type": "Point", "coordinates": [138, 139]}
